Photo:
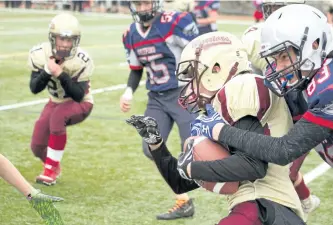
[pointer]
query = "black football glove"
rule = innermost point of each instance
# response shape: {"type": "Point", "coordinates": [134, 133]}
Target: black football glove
{"type": "Point", "coordinates": [185, 158]}
{"type": "Point", "coordinates": [147, 128]}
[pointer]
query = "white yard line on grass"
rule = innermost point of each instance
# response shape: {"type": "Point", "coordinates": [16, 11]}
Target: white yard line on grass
{"type": "Point", "coordinates": [316, 172]}
{"type": "Point", "coordinates": [44, 100]}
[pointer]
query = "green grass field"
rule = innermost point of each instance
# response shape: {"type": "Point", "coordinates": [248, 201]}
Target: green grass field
{"type": "Point", "coordinates": [106, 178]}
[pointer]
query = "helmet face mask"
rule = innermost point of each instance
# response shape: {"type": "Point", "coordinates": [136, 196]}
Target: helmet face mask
{"type": "Point", "coordinates": [64, 36]}
{"type": "Point", "coordinates": [63, 45]}
{"type": "Point", "coordinates": [290, 76]}
{"type": "Point", "coordinates": [206, 64]}
{"type": "Point", "coordinates": [191, 71]}
{"type": "Point", "coordinates": [144, 11]}
{"type": "Point", "coordinates": [299, 48]}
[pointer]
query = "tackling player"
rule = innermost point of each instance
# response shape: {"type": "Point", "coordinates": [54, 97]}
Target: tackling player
{"type": "Point", "coordinates": [206, 13]}
{"type": "Point", "coordinates": [301, 51]}
{"type": "Point", "coordinates": [62, 67]}
{"type": "Point", "coordinates": [251, 40]}
{"type": "Point", "coordinates": [266, 194]}
{"type": "Point", "coordinates": [154, 42]}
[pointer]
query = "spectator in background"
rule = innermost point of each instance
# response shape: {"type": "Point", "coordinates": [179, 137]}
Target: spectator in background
{"type": "Point", "coordinates": [206, 13]}
{"type": "Point", "coordinates": [329, 13]}
{"type": "Point", "coordinates": [78, 6]}
{"type": "Point", "coordinates": [258, 15]}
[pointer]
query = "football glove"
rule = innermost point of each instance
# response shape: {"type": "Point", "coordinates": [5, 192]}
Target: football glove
{"type": "Point", "coordinates": [43, 204]}
{"type": "Point", "coordinates": [209, 121]}
{"type": "Point", "coordinates": [196, 127]}
{"type": "Point", "coordinates": [147, 128]}
{"type": "Point", "coordinates": [185, 158]}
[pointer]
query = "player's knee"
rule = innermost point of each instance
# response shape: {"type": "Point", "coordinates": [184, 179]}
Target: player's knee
{"type": "Point", "coordinates": [57, 125]}
{"type": "Point", "coordinates": [39, 151]}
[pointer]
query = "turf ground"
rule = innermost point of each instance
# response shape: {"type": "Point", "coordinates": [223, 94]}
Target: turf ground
{"type": "Point", "coordinates": [106, 179]}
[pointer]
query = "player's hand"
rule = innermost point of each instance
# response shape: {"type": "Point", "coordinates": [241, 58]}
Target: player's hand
{"type": "Point", "coordinates": [43, 204]}
{"type": "Point", "coordinates": [184, 159]}
{"type": "Point", "coordinates": [147, 128]}
{"type": "Point", "coordinates": [196, 127]}
{"type": "Point", "coordinates": [209, 121]}
{"type": "Point", "coordinates": [125, 104]}
{"type": "Point", "coordinates": [54, 69]}
{"type": "Point", "coordinates": [126, 100]}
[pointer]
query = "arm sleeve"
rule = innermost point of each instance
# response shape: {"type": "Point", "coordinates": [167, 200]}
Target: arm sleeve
{"type": "Point", "coordinates": [75, 90]}
{"type": "Point", "coordinates": [279, 150]}
{"type": "Point", "coordinates": [167, 165]}
{"type": "Point", "coordinates": [134, 79]}
{"type": "Point", "coordinates": [38, 81]}
{"type": "Point", "coordinates": [237, 167]}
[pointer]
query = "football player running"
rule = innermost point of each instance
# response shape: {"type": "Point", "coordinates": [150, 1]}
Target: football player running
{"type": "Point", "coordinates": [62, 67]}
{"type": "Point", "coordinates": [251, 40]}
{"type": "Point", "coordinates": [302, 56]}
{"type": "Point", "coordinates": [42, 203]}
{"type": "Point", "coordinates": [266, 194]}
{"type": "Point", "coordinates": [155, 41]}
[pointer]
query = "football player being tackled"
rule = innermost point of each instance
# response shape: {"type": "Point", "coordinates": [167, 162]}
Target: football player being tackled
{"type": "Point", "coordinates": [155, 41]}
{"type": "Point", "coordinates": [62, 67]}
{"type": "Point", "coordinates": [42, 203]}
{"type": "Point", "coordinates": [218, 75]}
{"type": "Point", "coordinates": [251, 41]}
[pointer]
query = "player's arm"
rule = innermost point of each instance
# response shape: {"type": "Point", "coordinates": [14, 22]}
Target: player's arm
{"type": "Point", "coordinates": [38, 81]}
{"type": "Point", "coordinates": [238, 167]}
{"type": "Point", "coordinates": [212, 14]}
{"type": "Point", "coordinates": [133, 80]}
{"type": "Point", "coordinates": [167, 165]}
{"type": "Point", "coordinates": [315, 126]}
{"type": "Point", "coordinates": [300, 139]}
{"type": "Point", "coordinates": [77, 85]}
{"type": "Point", "coordinates": [39, 76]}
{"type": "Point", "coordinates": [73, 89]}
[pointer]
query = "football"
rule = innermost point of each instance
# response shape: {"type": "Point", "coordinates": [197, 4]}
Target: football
{"type": "Point", "coordinates": [207, 150]}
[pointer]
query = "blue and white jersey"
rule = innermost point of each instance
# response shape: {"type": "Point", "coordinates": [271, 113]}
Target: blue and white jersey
{"type": "Point", "coordinates": [320, 106]}
{"type": "Point", "coordinates": [158, 49]}
{"type": "Point", "coordinates": [201, 10]}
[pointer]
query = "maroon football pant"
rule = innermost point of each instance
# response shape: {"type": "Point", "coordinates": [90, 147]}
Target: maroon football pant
{"type": "Point", "coordinates": [245, 213]}
{"type": "Point", "coordinates": [53, 120]}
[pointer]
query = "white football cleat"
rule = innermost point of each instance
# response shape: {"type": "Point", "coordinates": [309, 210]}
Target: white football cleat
{"type": "Point", "coordinates": [309, 205]}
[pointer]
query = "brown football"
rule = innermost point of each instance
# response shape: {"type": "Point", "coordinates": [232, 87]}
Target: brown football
{"type": "Point", "coordinates": [207, 150]}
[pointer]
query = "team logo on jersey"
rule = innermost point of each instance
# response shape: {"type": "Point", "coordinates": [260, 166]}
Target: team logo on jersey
{"type": "Point", "coordinates": [147, 50]}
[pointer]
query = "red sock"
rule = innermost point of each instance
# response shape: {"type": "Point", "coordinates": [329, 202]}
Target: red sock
{"type": "Point", "coordinates": [302, 190]}
{"type": "Point", "coordinates": [55, 150]}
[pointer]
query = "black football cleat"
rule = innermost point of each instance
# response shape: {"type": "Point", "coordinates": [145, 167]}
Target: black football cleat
{"type": "Point", "coordinates": [182, 209]}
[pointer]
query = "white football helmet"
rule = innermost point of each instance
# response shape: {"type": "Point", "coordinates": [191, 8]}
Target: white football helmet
{"type": "Point", "coordinates": [208, 62]}
{"type": "Point", "coordinates": [269, 6]}
{"type": "Point", "coordinates": [298, 26]}
{"type": "Point", "coordinates": [66, 26]}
